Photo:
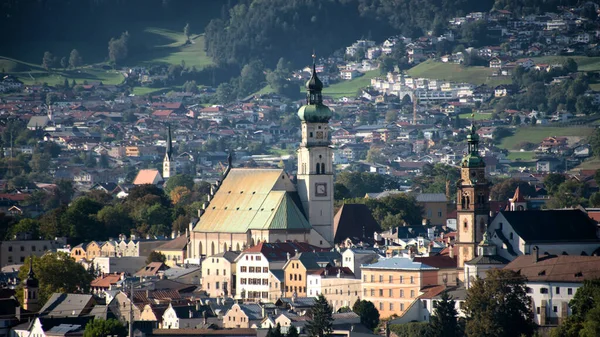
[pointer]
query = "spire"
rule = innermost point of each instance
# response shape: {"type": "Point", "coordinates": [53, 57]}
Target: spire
{"type": "Point", "coordinates": [518, 197]}
{"type": "Point", "coordinates": [31, 273]}
{"type": "Point", "coordinates": [314, 85]}
{"type": "Point", "coordinates": [169, 153]}
{"type": "Point", "coordinates": [31, 281]}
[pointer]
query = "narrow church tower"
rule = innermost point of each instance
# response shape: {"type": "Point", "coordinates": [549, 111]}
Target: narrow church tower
{"type": "Point", "coordinates": [473, 206]}
{"type": "Point", "coordinates": [315, 159]}
{"type": "Point", "coordinates": [168, 162]}
{"type": "Point", "coordinates": [30, 290]}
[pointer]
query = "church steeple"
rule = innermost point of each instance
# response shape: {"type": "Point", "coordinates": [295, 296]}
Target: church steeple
{"type": "Point", "coordinates": [30, 290]}
{"type": "Point", "coordinates": [168, 161]}
{"type": "Point", "coordinates": [315, 160]}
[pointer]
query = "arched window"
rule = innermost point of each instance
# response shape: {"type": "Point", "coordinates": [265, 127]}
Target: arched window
{"type": "Point", "coordinates": [212, 248]}
{"type": "Point", "coordinates": [322, 168]}
{"type": "Point", "coordinates": [318, 168]}
{"type": "Point", "coordinates": [463, 202]}
{"type": "Point", "coordinates": [200, 248]}
{"type": "Point", "coordinates": [225, 247]}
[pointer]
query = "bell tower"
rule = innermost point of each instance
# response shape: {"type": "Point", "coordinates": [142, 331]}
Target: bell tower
{"type": "Point", "coordinates": [31, 287]}
{"type": "Point", "coordinates": [472, 201]}
{"type": "Point", "coordinates": [168, 161]}
{"type": "Point", "coordinates": [315, 159]}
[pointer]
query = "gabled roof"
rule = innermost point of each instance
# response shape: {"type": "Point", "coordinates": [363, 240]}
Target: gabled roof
{"type": "Point", "coordinates": [552, 268]}
{"type": "Point", "coordinates": [178, 243]}
{"type": "Point", "coordinates": [67, 305]}
{"type": "Point", "coordinates": [252, 199]}
{"type": "Point", "coordinates": [149, 176]}
{"type": "Point", "coordinates": [277, 251]}
{"type": "Point", "coordinates": [398, 263]}
{"type": "Point", "coordinates": [569, 225]}
{"type": "Point", "coordinates": [518, 197]}
{"type": "Point", "coordinates": [354, 220]}
{"type": "Point", "coordinates": [431, 197]}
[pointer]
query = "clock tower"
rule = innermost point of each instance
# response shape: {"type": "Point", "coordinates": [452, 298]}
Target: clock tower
{"type": "Point", "coordinates": [472, 201]}
{"type": "Point", "coordinates": [315, 160]}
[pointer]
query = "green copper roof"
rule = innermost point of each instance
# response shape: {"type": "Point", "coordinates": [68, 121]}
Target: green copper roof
{"type": "Point", "coordinates": [472, 160]}
{"type": "Point", "coordinates": [288, 216]}
{"type": "Point", "coordinates": [315, 113]}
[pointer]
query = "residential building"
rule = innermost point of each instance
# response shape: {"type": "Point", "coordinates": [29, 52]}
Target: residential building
{"type": "Point", "coordinates": [298, 267]}
{"type": "Point", "coordinates": [218, 274]}
{"type": "Point", "coordinates": [243, 316]}
{"type": "Point", "coordinates": [175, 250]}
{"type": "Point", "coordinates": [552, 282]}
{"type": "Point", "coordinates": [337, 284]}
{"type": "Point", "coordinates": [353, 258]}
{"type": "Point", "coordinates": [15, 251]}
{"type": "Point", "coordinates": [393, 284]}
{"type": "Point", "coordinates": [435, 207]}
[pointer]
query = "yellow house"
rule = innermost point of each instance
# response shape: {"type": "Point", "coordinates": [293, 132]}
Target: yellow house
{"type": "Point", "coordinates": [435, 207]}
{"type": "Point", "coordinates": [79, 253]}
{"type": "Point", "coordinates": [175, 251]}
{"type": "Point", "coordinates": [393, 284]}
{"type": "Point", "coordinates": [297, 268]}
{"type": "Point", "coordinates": [93, 250]}
{"type": "Point", "coordinates": [243, 316]}
{"type": "Point", "coordinates": [132, 151]}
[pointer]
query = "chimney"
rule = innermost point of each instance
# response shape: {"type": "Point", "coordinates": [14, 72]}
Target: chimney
{"type": "Point", "coordinates": [451, 251]}
{"type": "Point", "coordinates": [296, 252]}
{"type": "Point", "coordinates": [191, 314]}
{"type": "Point", "coordinates": [536, 254]}
{"type": "Point", "coordinates": [173, 235]}
{"type": "Point", "coordinates": [262, 309]}
{"type": "Point", "coordinates": [287, 255]}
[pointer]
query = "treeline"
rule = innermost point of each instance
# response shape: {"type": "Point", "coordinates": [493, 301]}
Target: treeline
{"type": "Point", "coordinates": [268, 30]}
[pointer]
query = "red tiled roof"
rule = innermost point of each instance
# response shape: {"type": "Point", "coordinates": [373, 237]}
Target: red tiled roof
{"type": "Point", "coordinates": [438, 261]}
{"type": "Point", "coordinates": [562, 268]}
{"type": "Point", "coordinates": [105, 281]}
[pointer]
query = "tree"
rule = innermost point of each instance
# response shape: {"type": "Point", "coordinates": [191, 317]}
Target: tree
{"type": "Point", "coordinates": [103, 328]}
{"type": "Point", "coordinates": [118, 48]}
{"type": "Point", "coordinates": [180, 194]}
{"type": "Point", "coordinates": [177, 180]}
{"type": "Point", "coordinates": [570, 193]}
{"type": "Point", "coordinates": [504, 190]}
{"type": "Point", "coordinates": [391, 116]}
{"type": "Point", "coordinates": [552, 181]}
{"type": "Point", "coordinates": [155, 256]}
{"type": "Point", "coordinates": [63, 62]}
{"type": "Point", "coordinates": [586, 307]}
{"type": "Point", "coordinates": [48, 60]}
{"type": "Point", "coordinates": [369, 315]}
{"type": "Point", "coordinates": [321, 322]}
{"type": "Point", "coordinates": [374, 155]}
{"type": "Point", "coordinates": [186, 32]}
{"type": "Point", "coordinates": [444, 322]}
{"type": "Point", "coordinates": [498, 306]}
{"type": "Point", "coordinates": [30, 226]}
{"type": "Point", "coordinates": [191, 87]}
{"type": "Point", "coordinates": [292, 331]}
{"type": "Point", "coordinates": [75, 59]}
{"type": "Point", "coordinates": [115, 220]}
{"type": "Point", "coordinates": [56, 272]}
{"type": "Point", "coordinates": [594, 141]}
{"type": "Point", "coordinates": [80, 218]}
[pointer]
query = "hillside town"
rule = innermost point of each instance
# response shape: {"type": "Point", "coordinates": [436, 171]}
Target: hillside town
{"type": "Point", "coordinates": [266, 228]}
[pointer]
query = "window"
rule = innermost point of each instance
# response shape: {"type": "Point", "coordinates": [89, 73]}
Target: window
{"type": "Point", "coordinates": [412, 279]}
{"type": "Point", "coordinates": [372, 292]}
{"type": "Point", "coordinates": [380, 278]}
{"type": "Point", "coordinates": [557, 291]}
{"type": "Point", "coordinates": [380, 292]}
{"type": "Point", "coordinates": [401, 293]}
{"type": "Point", "coordinates": [364, 278]}
{"type": "Point", "coordinates": [10, 248]}
{"type": "Point", "coordinates": [243, 281]}
{"type": "Point", "coordinates": [391, 306]}
{"type": "Point", "coordinates": [33, 248]}
{"type": "Point", "coordinates": [217, 272]}
{"type": "Point", "coordinates": [390, 293]}
{"type": "Point", "coordinates": [364, 292]}
{"type": "Point", "coordinates": [258, 258]}
{"type": "Point", "coordinates": [251, 269]}
{"type": "Point", "coordinates": [22, 248]}
{"type": "Point", "coordinates": [424, 304]}
{"type": "Point", "coordinates": [543, 290]}
{"type": "Point", "coordinates": [372, 278]}
{"type": "Point", "coordinates": [439, 214]}
{"type": "Point", "coordinates": [401, 306]}
{"type": "Point", "coordinates": [511, 235]}
{"type": "Point", "coordinates": [412, 294]}
{"type": "Point", "coordinates": [390, 279]}
{"type": "Point", "coordinates": [569, 291]}
{"type": "Point", "coordinates": [291, 277]}
{"type": "Point", "coordinates": [265, 269]}
{"type": "Point", "coordinates": [10, 259]}
{"type": "Point", "coordinates": [401, 279]}
{"type": "Point", "coordinates": [537, 310]}
{"type": "Point", "coordinates": [380, 305]}
{"type": "Point", "coordinates": [555, 309]}
{"type": "Point", "coordinates": [22, 258]}
{"type": "Point", "coordinates": [529, 290]}
{"type": "Point", "coordinates": [244, 269]}
{"type": "Point", "coordinates": [217, 285]}
{"type": "Point", "coordinates": [224, 272]}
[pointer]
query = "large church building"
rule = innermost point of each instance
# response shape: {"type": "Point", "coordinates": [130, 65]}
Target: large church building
{"type": "Point", "coordinates": [252, 205]}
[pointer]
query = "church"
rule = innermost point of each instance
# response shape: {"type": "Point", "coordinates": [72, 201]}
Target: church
{"type": "Point", "coordinates": [252, 205]}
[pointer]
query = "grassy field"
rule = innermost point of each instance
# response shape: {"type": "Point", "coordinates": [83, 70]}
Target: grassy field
{"type": "Point", "coordinates": [478, 116]}
{"type": "Point", "coordinates": [161, 46]}
{"type": "Point", "coordinates": [595, 86]}
{"type": "Point", "coordinates": [538, 133]}
{"type": "Point", "coordinates": [457, 73]}
{"type": "Point", "coordinates": [521, 156]}
{"type": "Point", "coordinates": [350, 88]}
{"type": "Point", "coordinates": [590, 164]}
{"type": "Point", "coordinates": [584, 63]}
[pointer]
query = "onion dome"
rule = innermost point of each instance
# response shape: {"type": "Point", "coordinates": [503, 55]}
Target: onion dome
{"type": "Point", "coordinates": [314, 111]}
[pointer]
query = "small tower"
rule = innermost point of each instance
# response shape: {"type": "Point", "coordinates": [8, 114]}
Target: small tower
{"type": "Point", "coordinates": [486, 248]}
{"type": "Point", "coordinates": [315, 160]}
{"type": "Point", "coordinates": [30, 290]}
{"type": "Point", "coordinates": [518, 203]}
{"type": "Point", "coordinates": [169, 162]}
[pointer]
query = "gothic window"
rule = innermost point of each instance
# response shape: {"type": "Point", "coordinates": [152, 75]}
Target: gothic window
{"type": "Point", "coordinates": [463, 202]}
{"type": "Point", "coordinates": [318, 168]}
{"type": "Point", "coordinates": [310, 134]}
{"type": "Point", "coordinates": [322, 168]}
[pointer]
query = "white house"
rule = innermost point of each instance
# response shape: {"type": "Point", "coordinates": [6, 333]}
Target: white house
{"type": "Point", "coordinates": [553, 280]}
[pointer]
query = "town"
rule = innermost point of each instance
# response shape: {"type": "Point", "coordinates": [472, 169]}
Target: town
{"type": "Point", "coordinates": [397, 187]}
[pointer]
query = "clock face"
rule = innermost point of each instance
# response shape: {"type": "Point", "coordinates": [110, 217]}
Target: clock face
{"type": "Point", "coordinates": [319, 134]}
{"type": "Point", "coordinates": [321, 189]}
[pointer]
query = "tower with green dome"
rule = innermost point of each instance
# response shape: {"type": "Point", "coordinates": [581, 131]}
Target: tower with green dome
{"type": "Point", "coordinates": [472, 200]}
{"type": "Point", "coordinates": [315, 159]}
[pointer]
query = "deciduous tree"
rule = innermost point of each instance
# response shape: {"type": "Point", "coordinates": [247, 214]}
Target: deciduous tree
{"type": "Point", "coordinates": [103, 328]}
{"type": "Point", "coordinates": [369, 315]}
{"type": "Point", "coordinates": [498, 306]}
{"type": "Point", "coordinates": [75, 59]}
{"type": "Point", "coordinates": [155, 256]}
